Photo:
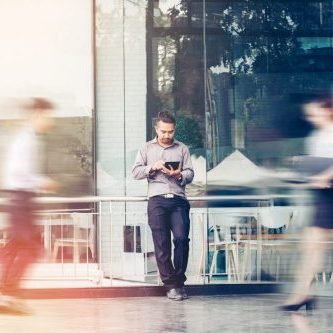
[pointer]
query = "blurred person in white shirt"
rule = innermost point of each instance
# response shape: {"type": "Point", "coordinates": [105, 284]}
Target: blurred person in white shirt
{"type": "Point", "coordinates": [22, 180]}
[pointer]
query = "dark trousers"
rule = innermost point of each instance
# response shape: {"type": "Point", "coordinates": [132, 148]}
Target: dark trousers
{"type": "Point", "coordinates": [166, 215]}
{"type": "Point", "coordinates": [23, 246]}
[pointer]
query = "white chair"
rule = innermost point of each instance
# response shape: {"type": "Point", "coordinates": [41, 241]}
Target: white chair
{"type": "Point", "coordinates": [270, 217]}
{"type": "Point", "coordinates": [224, 240]}
{"type": "Point", "coordinates": [83, 237]}
{"type": "Point", "coordinates": [275, 216]}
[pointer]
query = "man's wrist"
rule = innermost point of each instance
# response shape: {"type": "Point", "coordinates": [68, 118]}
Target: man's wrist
{"type": "Point", "coordinates": [150, 171]}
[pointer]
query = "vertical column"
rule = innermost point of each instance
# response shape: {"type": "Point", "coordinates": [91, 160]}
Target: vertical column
{"type": "Point", "coordinates": [121, 111]}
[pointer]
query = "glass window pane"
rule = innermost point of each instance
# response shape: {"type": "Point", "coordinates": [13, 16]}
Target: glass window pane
{"type": "Point", "coordinates": [178, 79]}
{"type": "Point", "coordinates": [261, 58]}
{"type": "Point", "coordinates": [280, 17]}
{"type": "Point", "coordinates": [58, 65]}
{"type": "Point", "coordinates": [170, 13]}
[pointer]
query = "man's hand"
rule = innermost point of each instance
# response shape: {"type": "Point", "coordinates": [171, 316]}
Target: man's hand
{"type": "Point", "coordinates": [175, 173]}
{"type": "Point", "coordinates": [159, 166]}
{"type": "Point", "coordinates": [320, 181]}
{"type": "Point", "coordinates": [49, 186]}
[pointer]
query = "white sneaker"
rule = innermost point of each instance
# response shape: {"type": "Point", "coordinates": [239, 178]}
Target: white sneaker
{"type": "Point", "coordinates": [174, 295]}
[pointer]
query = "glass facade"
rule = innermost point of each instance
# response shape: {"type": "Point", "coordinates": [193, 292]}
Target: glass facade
{"type": "Point", "coordinates": [47, 51]}
{"type": "Point", "coordinates": [56, 64]}
{"type": "Point", "coordinates": [234, 73]}
{"type": "Point", "coordinates": [240, 71]}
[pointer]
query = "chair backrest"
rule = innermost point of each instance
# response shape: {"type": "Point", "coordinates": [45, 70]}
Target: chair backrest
{"type": "Point", "coordinates": [275, 216]}
{"type": "Point", "coordinates": [221, 225]}
{"type": "Point", "coordinates": [84, 222]}
{"type": "Point", "coordinates": [302, 217]}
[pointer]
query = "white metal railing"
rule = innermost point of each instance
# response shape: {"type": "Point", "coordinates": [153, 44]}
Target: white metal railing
{"type": "Point", "coordinates": [108, 217]}
{"type": "Point", "coordinates": [208, 198]}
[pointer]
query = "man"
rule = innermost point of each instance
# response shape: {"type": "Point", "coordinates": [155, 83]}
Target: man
{"type": "Point", "coordinates": [168, 208]}
{"type": "Point", "coordinates": [22, 179]}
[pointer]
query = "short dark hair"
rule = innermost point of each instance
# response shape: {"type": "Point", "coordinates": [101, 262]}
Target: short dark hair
{"type": "Point", "coordinates": [325, 102]}
{"type": "Point", "coordinates": [165, 117]}
{"type": "Point", "coordinates": [322, 98]}
{"type": "Point", "coordinates": [39, 103]}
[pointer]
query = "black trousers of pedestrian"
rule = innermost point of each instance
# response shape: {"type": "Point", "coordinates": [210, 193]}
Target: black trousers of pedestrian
{"type": "Point", "coordinates": [24, 244]}
{"type": "Point", "coordinates": [166, 216]}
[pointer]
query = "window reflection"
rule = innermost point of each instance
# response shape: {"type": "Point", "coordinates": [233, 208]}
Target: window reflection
{"type": "Point", "coordinates": [70, 155]}
{"type": "Point", "coordinates": [169, 13]}
{"type": "Point", "coordinates": [244, 78]}
{"type": "Point", "coordinates": [242, 17]}
{"type": "Point", "coordinates": [61, 70]}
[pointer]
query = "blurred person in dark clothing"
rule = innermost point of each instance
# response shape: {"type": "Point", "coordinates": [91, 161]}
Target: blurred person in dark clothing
{"type": "Point", "coordinates": [319, 113]}
{"type": "Point", "coordinates": [22, 180]}
{"type": "Point", "coordinates": [168, 208]}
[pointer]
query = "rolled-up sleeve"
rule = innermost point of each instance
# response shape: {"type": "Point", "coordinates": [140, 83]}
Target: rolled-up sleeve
{"type": "Point", "coordinates": [140, 169]}
{"type": "Point", "coordinates": [187, 172]}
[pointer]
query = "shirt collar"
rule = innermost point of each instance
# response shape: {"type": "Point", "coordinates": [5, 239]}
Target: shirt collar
{"type": "Point", "coordinates": [175, 142]}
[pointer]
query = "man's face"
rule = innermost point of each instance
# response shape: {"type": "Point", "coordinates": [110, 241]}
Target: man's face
{"type": "Point", "coordinates": [317, 115]}
{"type": "Point", "coordinates": [42, 121]}
{"type": "Point", "coordinates": [165, 132]}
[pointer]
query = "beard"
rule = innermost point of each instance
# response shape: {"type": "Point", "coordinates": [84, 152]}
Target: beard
{"type": "Point", "coordinates": [166, 141]}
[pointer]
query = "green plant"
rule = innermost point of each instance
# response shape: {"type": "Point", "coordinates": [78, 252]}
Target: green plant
{"type": "Point", "coordinates": [188, 132]}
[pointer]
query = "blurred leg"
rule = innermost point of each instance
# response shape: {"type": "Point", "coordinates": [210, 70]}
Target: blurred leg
{"type": "Point", "coordinates": [8, 255]}
{"type": "Point", "coordinates": [23, 246]}
{"type": "Point", "coordinates": [313, 251]}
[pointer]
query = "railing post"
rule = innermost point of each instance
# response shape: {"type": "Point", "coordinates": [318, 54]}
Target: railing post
{"type": "Point", "coordinates": [99, 228]}
{"type": "Point", "coordinates": [111, 234]}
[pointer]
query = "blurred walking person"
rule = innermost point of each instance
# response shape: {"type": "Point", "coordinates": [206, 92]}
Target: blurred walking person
{"type": "Point", "coordinates": [22, 180]}
{"type": "Point", "coordinates": [320, 148]}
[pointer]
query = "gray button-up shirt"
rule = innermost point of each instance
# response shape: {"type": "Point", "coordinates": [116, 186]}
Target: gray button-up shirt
{"type": "Point", "coordinates": [158, 182]}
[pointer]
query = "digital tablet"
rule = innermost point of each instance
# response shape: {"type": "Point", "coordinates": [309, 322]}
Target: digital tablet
{"type": "Point", "coordinates": [173, 165]}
